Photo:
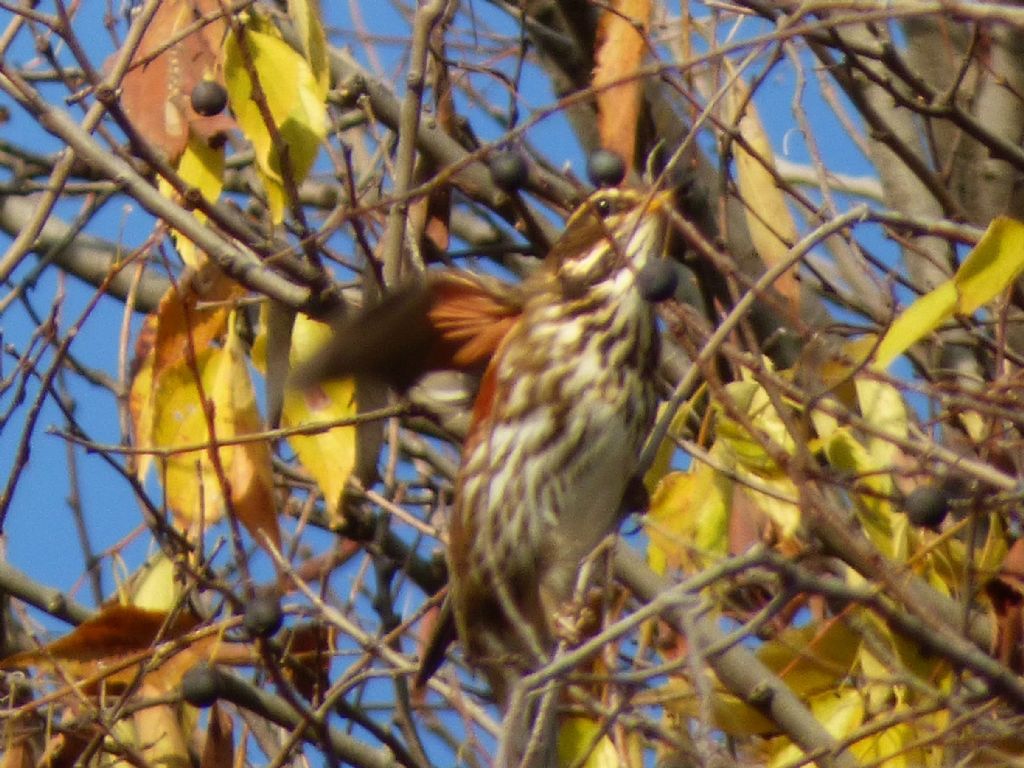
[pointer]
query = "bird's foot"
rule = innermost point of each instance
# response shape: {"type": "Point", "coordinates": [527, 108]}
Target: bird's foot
{"type": "Point", "coordinates": [579, 619]}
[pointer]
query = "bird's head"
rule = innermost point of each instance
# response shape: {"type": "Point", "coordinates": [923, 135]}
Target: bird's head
{"type": "Point", "coordinates": [613, 230]}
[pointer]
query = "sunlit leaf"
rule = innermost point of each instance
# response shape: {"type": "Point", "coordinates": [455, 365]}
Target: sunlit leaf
{"type": "Point", "coordinates": [745, 453]}
{"type": "Point", "coordinates": [202, 167]}
{"type": "Point", "coordinates": [882, 406]}
{"type": "Point", "coordinates": [295, 101]}
{"type": "Point", "coordinates": [812, 660]}
{"type": "Point", "coordinates": [992, 265]}
{"type": "Point", "coordinates": [305, 14]}
{"type": "Point", "coordinates": [191, 486]}
{"type": "Point", "coordinates": [992, 559]}
{"type": "Point", "coordinates": [689, 518]}
{"type": "Point", "coordinates": [871, 475]}
{"type": "Point", "coordinates": [917, 321]}
{"type": "Point", "coordinates": [870, 463]}
{"type": "Point", "coordinates": [329, 455]}
{"type": "Point", "coordinates": [252, 482]}
{"type": "Point", "coordinates": [141, 399]}
{"type": "Point", "coordinates": [583, 739]}
{"type": "Point", "coordinates": [192, 315]}
{"type": "Point", "coordinates": [158, 589]}
{"type": "Point", "coordinates": [891, 747]}
{"type": "Point", "coordinates": [750, 398]}
{"type": "Point", "coordinates": [840, 711]}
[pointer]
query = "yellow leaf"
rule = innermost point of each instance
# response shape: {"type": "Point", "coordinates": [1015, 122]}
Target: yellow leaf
{"type": "Point", "coordinates": [744, 453]}
{"type": "Point", "coordinates": [882, 407]}
{"type": "Point", "coordinates": [917, 321]}
{"type": "Point", "coordinates": [581, 737]}
{"type": "Point", "coordinates": [689, 517]}
{"type": "Point", "coordinates": [305, 14]}
{"type": "Point", "coordinates": [201, 167]}
{"type": "Point", "coordinates": [736, 718]}
{"type": "Point", "coordinates": [750, 398]}
{"type": "Point", "coordinates": [295, 102]}
{"type": "Point", "coordinates": [812, 659]}
{"type": "Point", "coordinates": [877, 686]}
{"type": "Point", "coordinates": [167, 338]}
{"type": "Point", "coordinates": [329, 455]}
{"type": "Point", "coordinates": [839, 711]}
{"type": "Point", "coordinates": [193, 486]}
{"type": "Point", "coordinates": [769, 220]}
{"type": "Point", "coordinates": [990, 562]}
{"type": "Point", "coordinates": [992, 265]}
{"type": "Point", "coordinates": [157, 590]}
{"type": "Point", "coordinates": [889, 748]}
{"type": "Point", "coordinates": [251, 476]}
{"type": "Point", "coordinates": [872, 472]}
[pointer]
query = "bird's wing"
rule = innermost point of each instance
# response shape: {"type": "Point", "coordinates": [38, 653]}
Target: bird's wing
{"type": "Point", "coordinates": [453, 320]}
{"type": "Point", "coordinates": [471, 315]}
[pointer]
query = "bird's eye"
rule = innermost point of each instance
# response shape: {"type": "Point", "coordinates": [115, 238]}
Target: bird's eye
{"type": "Point", "coordinates": [603, 207]}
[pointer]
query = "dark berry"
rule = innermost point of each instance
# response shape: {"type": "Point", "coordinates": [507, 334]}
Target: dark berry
{"type": "Point", "coordinates": [263, 616]}
{"type": "Point", "coordinates": [209, 98]}
{"type": "Point", "coordinates": [201, 685]}
{"type": "Point", "coordinates": [657, 280]}
{"type": "Point", "coordinates": [509, 170]}
{"type": "Point", "coordinates": [927, 505]}
{"type": "Point", "coordinates": [605, 168]}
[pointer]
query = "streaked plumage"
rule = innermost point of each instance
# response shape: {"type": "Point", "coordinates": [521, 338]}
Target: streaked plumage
{"type": "Point", "coordinates": [566, 400]}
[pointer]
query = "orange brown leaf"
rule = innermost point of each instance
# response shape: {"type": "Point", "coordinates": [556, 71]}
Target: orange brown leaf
{"type": "Point", "coordinates": [118, 630]}
{"type": "Point", "coordinates": [192, 315]}
{"type": "Point", "coordinates": [219, 747]}
{"type": "Point", "coordinates": [156, 92]}
{"type": "Point", "coordinates": [620, 49]}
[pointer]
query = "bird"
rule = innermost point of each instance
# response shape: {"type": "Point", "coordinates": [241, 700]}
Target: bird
{"type": "Point", "coordinates": [567, 396]}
